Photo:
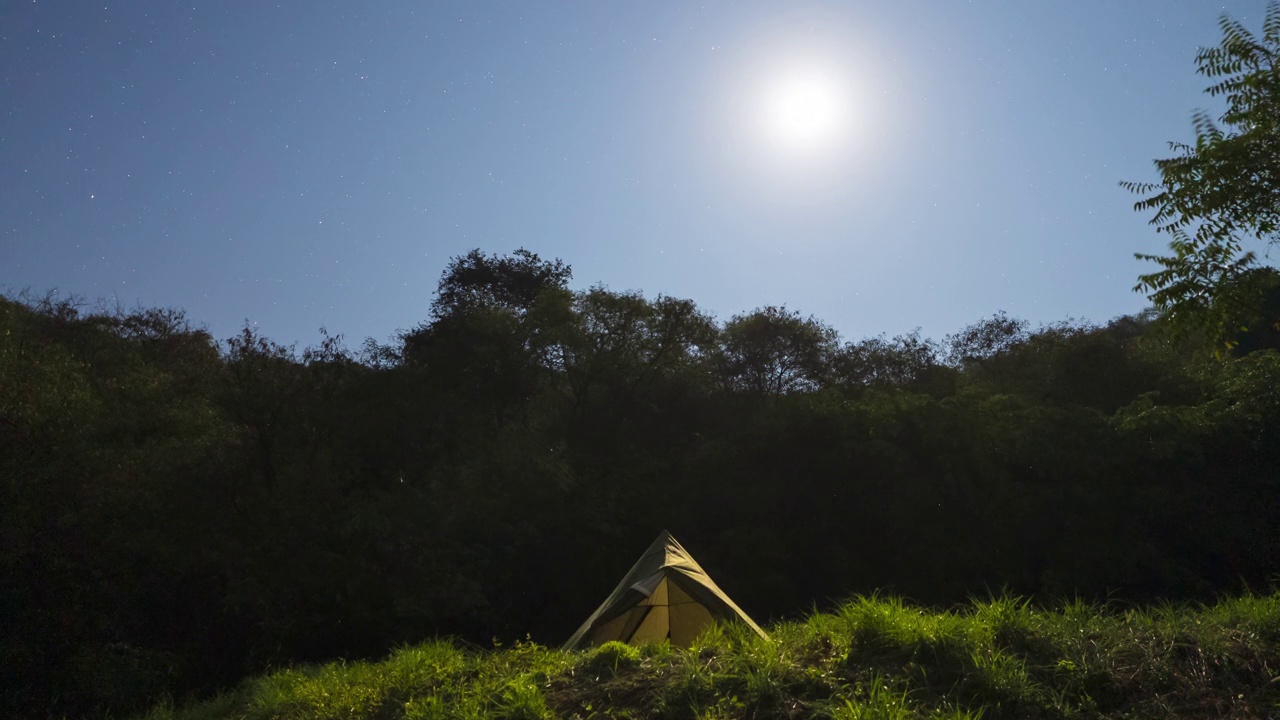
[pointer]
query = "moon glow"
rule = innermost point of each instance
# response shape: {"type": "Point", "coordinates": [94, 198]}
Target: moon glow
{"type": "Point", "coordinates": [804, 111]}
{"type": "Point", "coordinates": [795, 120]}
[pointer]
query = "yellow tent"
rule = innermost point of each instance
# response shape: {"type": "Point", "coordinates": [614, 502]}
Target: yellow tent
{"type": "Point", "coordinates": [665, 596]}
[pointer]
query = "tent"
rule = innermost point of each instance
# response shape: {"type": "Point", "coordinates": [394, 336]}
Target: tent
{"type": "Point", "coordinates": [665, 596]}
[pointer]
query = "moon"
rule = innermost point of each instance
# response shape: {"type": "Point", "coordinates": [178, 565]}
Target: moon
{"type": "Point", "coordinates": [804, 110]}
{"type": "Point", "coordinates": [794, 121]}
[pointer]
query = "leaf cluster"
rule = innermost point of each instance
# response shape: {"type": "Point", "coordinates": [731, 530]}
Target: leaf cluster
{"type": "Point", "coordinates": [1221, 192]}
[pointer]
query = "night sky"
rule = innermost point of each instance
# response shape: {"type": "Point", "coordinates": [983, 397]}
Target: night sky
{"type": "Point", "coordinates": [881, 165]}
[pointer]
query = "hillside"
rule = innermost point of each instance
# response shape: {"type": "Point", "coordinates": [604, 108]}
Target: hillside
{"type": "Point", "coordinates": [870, 658]}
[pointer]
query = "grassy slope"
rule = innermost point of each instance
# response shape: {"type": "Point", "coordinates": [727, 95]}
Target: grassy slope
{"type": "Point", "coordinates": [872, 658]}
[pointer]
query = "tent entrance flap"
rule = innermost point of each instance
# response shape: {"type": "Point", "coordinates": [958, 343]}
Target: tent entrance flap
{"type": "Point", "coordinates": [665, 596]}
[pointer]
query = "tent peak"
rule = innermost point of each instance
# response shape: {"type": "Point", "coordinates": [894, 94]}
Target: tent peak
{"type": "Point", "coordinates": [666, 594]}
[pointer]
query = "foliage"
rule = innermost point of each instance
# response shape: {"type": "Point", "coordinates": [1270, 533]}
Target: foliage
{"type": "Point", "coordinates": [1215, 195]}
{"type": "Point", "coordinates": [177, 513]}
{"type": "Point", "coordinates": [774, 351]}
{"type": "Point", "coordinates": [984, 340]}
{"type": "Point", "coordinates": [514, 282]}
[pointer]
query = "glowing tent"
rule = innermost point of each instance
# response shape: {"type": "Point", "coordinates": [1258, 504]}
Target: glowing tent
{"type": "Point", "coordinates": [665, 596]}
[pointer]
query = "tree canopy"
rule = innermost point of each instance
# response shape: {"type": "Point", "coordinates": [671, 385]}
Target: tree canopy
{"type": "Point", "coordinates": [177, 511]}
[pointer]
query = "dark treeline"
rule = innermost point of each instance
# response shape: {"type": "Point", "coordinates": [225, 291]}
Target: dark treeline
{"type": "Point", "coordinates": [177, 512]}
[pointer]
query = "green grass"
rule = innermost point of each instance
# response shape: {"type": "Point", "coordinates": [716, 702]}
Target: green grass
{"type": "Point", "coordinates": [874, 658]}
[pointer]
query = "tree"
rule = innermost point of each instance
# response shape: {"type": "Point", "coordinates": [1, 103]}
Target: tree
{"type": "Point", "coordinates": [985, 339]}
{"type": "Point", "coordinates": [622, 342]}
{"type": "Point", "coordinates": [877, 362]}
{"type": "Point", "coordinates": [775, 351]}
{"type": "Point", "coordinates": [1261, 329]}
{"type": "Point", "coordinates": [494, 324]}
{"type": "Point", "coordinates": [1222, 194]}
{"type": "Point", "coordinates": [511, 281]}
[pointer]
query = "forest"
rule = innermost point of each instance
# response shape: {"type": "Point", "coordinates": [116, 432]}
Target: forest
{"type": "Point", "coordinates": [180, 511]}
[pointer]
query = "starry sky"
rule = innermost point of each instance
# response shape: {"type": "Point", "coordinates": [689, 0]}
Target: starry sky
{"type": "Point", "coordinates": [305, 164]}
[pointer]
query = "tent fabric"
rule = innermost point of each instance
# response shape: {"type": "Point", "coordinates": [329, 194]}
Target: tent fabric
{"type": "Point", "coordinates": [665, 596]}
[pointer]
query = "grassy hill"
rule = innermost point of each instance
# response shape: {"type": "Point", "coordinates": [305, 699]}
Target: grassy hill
{"type": "Point", "coordinates": [871, 658]}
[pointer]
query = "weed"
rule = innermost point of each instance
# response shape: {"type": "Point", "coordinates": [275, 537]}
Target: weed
{"type": "Point", "coordinates": [872, 658]}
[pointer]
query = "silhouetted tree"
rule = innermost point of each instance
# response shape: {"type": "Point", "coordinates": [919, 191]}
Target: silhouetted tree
{"type": "Point", "coordinates": [774, 351]}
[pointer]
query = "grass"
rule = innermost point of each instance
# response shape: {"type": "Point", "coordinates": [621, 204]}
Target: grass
{"type": "Point", "coordinates": [874, 658]}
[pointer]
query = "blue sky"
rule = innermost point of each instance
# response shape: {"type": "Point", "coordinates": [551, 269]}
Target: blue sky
{"type": "Point", "coordinates": [308, 164]}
